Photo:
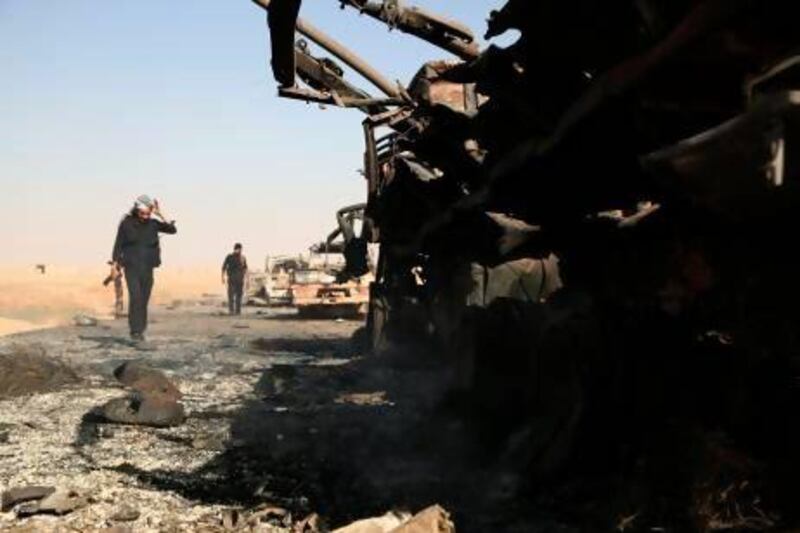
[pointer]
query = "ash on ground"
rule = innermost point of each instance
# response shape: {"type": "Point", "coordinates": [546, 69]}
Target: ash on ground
{"type": "Point", "coordinates": [286, 420]}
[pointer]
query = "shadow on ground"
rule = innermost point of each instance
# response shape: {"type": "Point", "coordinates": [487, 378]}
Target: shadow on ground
{"type": "Point", "coordinates": [348, 441]}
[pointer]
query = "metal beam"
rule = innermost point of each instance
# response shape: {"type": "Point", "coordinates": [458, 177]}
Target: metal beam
{"type": "Point", "coordinates": [347, 56]}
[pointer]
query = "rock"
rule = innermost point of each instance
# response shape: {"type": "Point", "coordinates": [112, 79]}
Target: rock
{"type": "Point", "coordinates": [59, 502]}
{"type": "Point", "coordinates": [381, 524]}
{"type": "Point", "coordinates": [434, 519]}
{"type": "Point", "coordinates": [28, 370]}
{"type": "Point", "coordinates": [146, 380]}
{"type": "Point", "coordinates": [126, 513]}
{"type": "Point", "coordinates": [84, 321]}
{"type": "Point", "coordinates": [12, 497]}
{"type": "Point", "coordinates": [151, 410]}
{"type": "Point", "coordinates": [4, 436]}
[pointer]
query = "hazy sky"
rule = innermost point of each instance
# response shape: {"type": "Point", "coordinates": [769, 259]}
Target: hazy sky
{"type": "Point", "coordinates": [102, 101]}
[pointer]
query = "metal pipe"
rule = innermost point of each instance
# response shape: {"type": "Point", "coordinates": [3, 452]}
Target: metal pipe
{"type": "Point", "coordinates": [342, 52]}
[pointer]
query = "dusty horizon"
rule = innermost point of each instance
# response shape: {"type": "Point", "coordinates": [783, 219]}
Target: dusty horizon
{"type": "Point", "coordinates": [30, 300]}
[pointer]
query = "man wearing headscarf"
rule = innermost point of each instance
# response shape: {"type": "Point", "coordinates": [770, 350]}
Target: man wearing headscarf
{"type": "Point", "coordinates": [137, 250]}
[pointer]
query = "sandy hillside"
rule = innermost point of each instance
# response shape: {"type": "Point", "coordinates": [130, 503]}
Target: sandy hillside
{"type": "Point", "coordinates": [30, 300]}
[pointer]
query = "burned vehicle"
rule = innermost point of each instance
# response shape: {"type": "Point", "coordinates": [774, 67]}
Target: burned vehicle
{"type": "Point", "coordinates": [336, 279]}
{"type": "Point", "coordinates": [316, 293]}
{"type": "Point", "coordinates": [593, 224]}
{"type": "Point", "coordinates": [270, 287]}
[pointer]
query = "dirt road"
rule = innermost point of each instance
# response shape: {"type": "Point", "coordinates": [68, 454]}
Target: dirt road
{"type": "Point", "coordinates": [281, 411]}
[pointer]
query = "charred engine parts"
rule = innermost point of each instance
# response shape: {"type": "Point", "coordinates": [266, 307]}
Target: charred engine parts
{"type": "Point", "coordinates": [594, 222]}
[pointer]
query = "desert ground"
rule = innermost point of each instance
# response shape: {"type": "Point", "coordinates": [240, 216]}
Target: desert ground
{"type": "Point", "coordinates": [290, 425]}
{"type": "Point", "coordinates": [31, 300]}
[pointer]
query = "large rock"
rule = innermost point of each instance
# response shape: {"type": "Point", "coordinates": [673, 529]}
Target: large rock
{"type": "Point", "coordinates": [146, 380]}
{"type": "Point", "coordinates": [144, 410]}
{"type": "Point", "coordinates": [26, 369]}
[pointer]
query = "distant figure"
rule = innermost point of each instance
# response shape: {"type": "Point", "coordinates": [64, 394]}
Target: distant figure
{"type": "Point", "coordinates": [115, 276]}
{"type": "Point", "coordinates": [235, 268]}
{"type": "Point", "coordinates": [137, 251]}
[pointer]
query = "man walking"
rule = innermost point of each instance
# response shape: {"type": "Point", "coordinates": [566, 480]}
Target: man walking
{"type": "Point", "coordinates": [137, 250]}
{"type": "Point", "coordinates": [235, 269]}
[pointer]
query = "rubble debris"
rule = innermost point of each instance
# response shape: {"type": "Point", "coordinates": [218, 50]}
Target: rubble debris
{"type": "Point", "coordinates": [84, 321]}
{"type": "Point", "coordinates": [211, 442]}
{"type": "Point", "coordinates": [144, 410]}
{"type": "Point", "coordinates": [434, 519]}
{"type": "Point", "coordinates": [26, 369]}
{"type": "Point", "coordinates": [310, 524]}
{"type": "Point", "coordinates": [154, 400]}
{"type": "Point", "coordinates": [12, 497]}
{"type": "Point", "coordinates": [145, 380]}
{"type": "Point", "coordinates": [380, 524]}
{"type": "Point", "coordinates": [103, 432]}
{"type": "Point", "coordinates": [269, 514]}
{"type": "Point", "coordinates": [126, 513]}
{"type": "Point", "coordinates": [231, 519]}
{"type": "Point", "coordinates": [364, 398]}
{"type": "Point", "coordinates": [59, 502]}
{"type": "Point", "coordinates": [651, 141]}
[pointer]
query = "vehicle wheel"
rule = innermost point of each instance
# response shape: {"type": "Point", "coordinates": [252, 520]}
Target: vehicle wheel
{"type": "Point", "coordinates": [377, 318]}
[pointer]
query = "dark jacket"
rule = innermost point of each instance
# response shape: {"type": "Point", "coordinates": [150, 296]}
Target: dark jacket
{"type": "Point", "coordinates": [137, 244]}
{"type": "Point", "coordinates": [235, 267]}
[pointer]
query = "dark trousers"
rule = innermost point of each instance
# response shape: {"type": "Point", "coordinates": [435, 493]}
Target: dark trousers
{"type": "Point", "coordinates": [140, 284]}
{"type": "Point", "coordinates": [235, 291]}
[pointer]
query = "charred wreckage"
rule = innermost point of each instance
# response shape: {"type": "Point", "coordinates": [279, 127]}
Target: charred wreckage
{"type": "Point", "coordinates": [595, 225]}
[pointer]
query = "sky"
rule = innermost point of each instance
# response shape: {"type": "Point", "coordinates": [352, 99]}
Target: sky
{"type": "Point", "coordinates": [102, 101]}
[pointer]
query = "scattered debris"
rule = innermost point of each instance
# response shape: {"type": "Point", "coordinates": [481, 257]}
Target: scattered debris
{"type": "Point", "coordinates": [212, 442]}
{"type": "Point", "coordinates": [104, 432]}
{"type": "Point", "coordinates": [13, 497]}
{"type": "Point", "coordinates": [231, 519]}
{"type": "Point", "coordinates": [59, 502]}
{"type": "Point", "coordinates": [626, 523]}
{"type": "Point", "coordinates": [154, 401]}
{"type": "Point", "coordinates": [84, 321]}
{"type": "Point", "coordinates": [144, 410]}
{"type": "Point", "coordinates": [126, 513]}
{"type": "Point", "coordinates": [381, 524]}
{"type": "Point", "coordinates": [364, 398]}
{"type": "Point", "coordinates": [145, 380]}
{"type": "Point", "coordinates": [310, 524]}
{"type": "Point", "coordinates": [434, 519]}
{"type": "Point", "coordinates": [269, 514]}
